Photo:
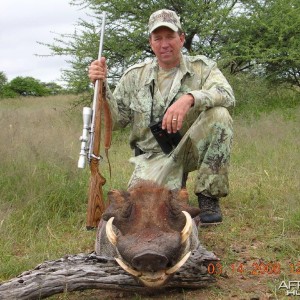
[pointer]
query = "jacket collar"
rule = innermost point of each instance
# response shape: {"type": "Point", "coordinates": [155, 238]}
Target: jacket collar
{"type": "Point", "coordinates": [184, 67]}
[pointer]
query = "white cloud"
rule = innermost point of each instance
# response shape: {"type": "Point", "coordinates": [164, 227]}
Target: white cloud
{"type": "Point", "coordinates": [22, 25]}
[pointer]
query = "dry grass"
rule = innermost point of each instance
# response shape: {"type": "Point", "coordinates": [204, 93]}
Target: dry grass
{"type": "Point", "coordinates": [43, 196]}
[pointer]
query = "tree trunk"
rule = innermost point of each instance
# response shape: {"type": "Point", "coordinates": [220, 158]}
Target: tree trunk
{"type": "Point", "coordinates": [89, 271]}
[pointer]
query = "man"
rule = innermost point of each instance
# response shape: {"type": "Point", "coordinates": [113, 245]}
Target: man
{"type": "Point", "coordinates": [190, 96]}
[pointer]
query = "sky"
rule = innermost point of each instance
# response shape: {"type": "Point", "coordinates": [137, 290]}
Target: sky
{"type": "Point", "coordinates": [23, 23]}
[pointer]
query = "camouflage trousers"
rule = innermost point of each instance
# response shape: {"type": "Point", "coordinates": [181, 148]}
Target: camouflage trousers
{"type": "Point", "coordinates": [205, 147]}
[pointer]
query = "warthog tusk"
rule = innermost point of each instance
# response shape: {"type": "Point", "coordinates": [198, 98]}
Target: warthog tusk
{"type": "Point", "coordinates": [126, 268]}
{"type": "Point", "coordinates": [153, 279]}
{"type": "Point", "coordinates": [110, 232]}
{"type": "Point", "coordinates": [178, 265]}
{"type": "Point", "coordinates": [187, 230]}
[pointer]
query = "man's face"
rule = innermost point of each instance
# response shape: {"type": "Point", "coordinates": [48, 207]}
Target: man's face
{"type": "Point", "coordinates": [166, 44]}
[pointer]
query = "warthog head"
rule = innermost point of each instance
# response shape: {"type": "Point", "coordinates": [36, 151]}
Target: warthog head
{"type": "Point", "coordinates": [151, 229]}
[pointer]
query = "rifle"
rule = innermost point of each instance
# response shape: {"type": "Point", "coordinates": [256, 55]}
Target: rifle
{"type": "Point", "coordinates": [91, 136]}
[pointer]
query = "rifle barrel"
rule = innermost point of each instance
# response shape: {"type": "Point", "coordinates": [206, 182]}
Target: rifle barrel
{"type": "Point", "coordinates": [91, 146]}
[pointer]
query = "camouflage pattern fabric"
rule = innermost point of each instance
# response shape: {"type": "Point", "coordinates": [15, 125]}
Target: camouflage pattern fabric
{"type": "Point", "coordinates": [204, 147]}
{"type": "Point", "coordinates": [207, 128]}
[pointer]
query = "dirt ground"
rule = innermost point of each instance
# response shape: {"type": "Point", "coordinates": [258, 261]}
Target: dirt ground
{"type": "Point", "coordinates": [240, 288]}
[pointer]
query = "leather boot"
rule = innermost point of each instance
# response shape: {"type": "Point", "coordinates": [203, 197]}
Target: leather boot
{"type": "Point", "coordinates": [210, 210]}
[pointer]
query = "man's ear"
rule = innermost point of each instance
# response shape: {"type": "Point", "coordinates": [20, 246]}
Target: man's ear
{"type": "Point", "coordinates": [182, 38]}
{"type": "Point", "coordinates": [150, 44]}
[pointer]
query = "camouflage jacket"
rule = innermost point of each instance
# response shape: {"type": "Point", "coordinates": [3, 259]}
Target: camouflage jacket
{"type": "Point", "coordinates": [132, 102]}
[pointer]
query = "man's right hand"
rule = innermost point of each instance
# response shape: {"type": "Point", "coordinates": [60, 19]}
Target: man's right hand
{"type": "Point", "coordinates": [98, 70]}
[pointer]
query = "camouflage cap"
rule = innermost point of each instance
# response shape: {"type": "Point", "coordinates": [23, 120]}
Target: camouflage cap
{"type": "Point", "coordinates": [164, 17]}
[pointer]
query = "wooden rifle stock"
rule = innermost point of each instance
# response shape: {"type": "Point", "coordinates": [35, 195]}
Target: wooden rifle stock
{"type": "Point", "coordinates": [96, 204]}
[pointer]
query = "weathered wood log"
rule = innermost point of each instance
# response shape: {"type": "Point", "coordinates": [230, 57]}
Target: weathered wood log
{"type": "Point", "coordinates": [89, 271]}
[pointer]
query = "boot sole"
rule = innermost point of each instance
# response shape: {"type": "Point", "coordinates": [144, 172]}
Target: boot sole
{"type": "Point", "coordinates": [209, 224]}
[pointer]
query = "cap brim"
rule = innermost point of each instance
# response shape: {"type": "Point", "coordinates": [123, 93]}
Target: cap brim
{"type": "Point", "coordinates": [164, 24]}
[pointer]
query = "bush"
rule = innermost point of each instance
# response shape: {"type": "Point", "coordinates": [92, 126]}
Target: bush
{"type": "Point", "coordinates": [28, 86]}
{"type": "Point", "coordinates": [7, 92]}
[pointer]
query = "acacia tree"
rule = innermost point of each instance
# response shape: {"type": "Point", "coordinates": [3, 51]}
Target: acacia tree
{"type": "Point", "coordinates": [267, 35]}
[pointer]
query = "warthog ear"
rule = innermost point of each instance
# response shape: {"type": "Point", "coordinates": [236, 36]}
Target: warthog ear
{"type": "Point", "coordinates": [183, 199]}
{"type": "Point", "coordinates": [117, 197]}
{"type": "Point", "coordinates": [183, 196]}
{"type": "Point", "coordinates": [178, 200]}
{"type": "Point", "coordinates": [119, 205]}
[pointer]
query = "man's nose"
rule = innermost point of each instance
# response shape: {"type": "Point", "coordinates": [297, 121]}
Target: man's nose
{"type": "Point", "coordinates": [165, 43]}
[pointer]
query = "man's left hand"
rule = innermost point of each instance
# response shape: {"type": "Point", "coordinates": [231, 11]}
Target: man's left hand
{"type": "Point", "coordinates": [174, 116]}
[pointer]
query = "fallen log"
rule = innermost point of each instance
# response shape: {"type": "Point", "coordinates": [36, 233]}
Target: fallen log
{"type": "Point", "coordinates": [89, 271]}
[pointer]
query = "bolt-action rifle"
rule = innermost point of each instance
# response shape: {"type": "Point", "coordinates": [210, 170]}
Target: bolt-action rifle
{"type": "Point", "coordinates": [90, 144]}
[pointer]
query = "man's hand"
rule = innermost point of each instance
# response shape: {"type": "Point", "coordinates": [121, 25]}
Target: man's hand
{"type": "Point", "coordinates": [98, 70]}
{"type": "Point", "coordinates": [174, 116]}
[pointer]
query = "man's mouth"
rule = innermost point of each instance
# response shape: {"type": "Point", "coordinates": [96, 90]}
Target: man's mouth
{"type": "Point", "coordinates": [166, 53]}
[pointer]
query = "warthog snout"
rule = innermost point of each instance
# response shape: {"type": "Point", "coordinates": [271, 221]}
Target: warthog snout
{"type": "Point", "coordinates": [150, 261]}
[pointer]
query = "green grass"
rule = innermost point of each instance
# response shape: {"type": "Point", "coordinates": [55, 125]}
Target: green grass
{"type": "Point", "coordinates": [43, 195]}
{"type": "Point", "coordinates": [256, 96]}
